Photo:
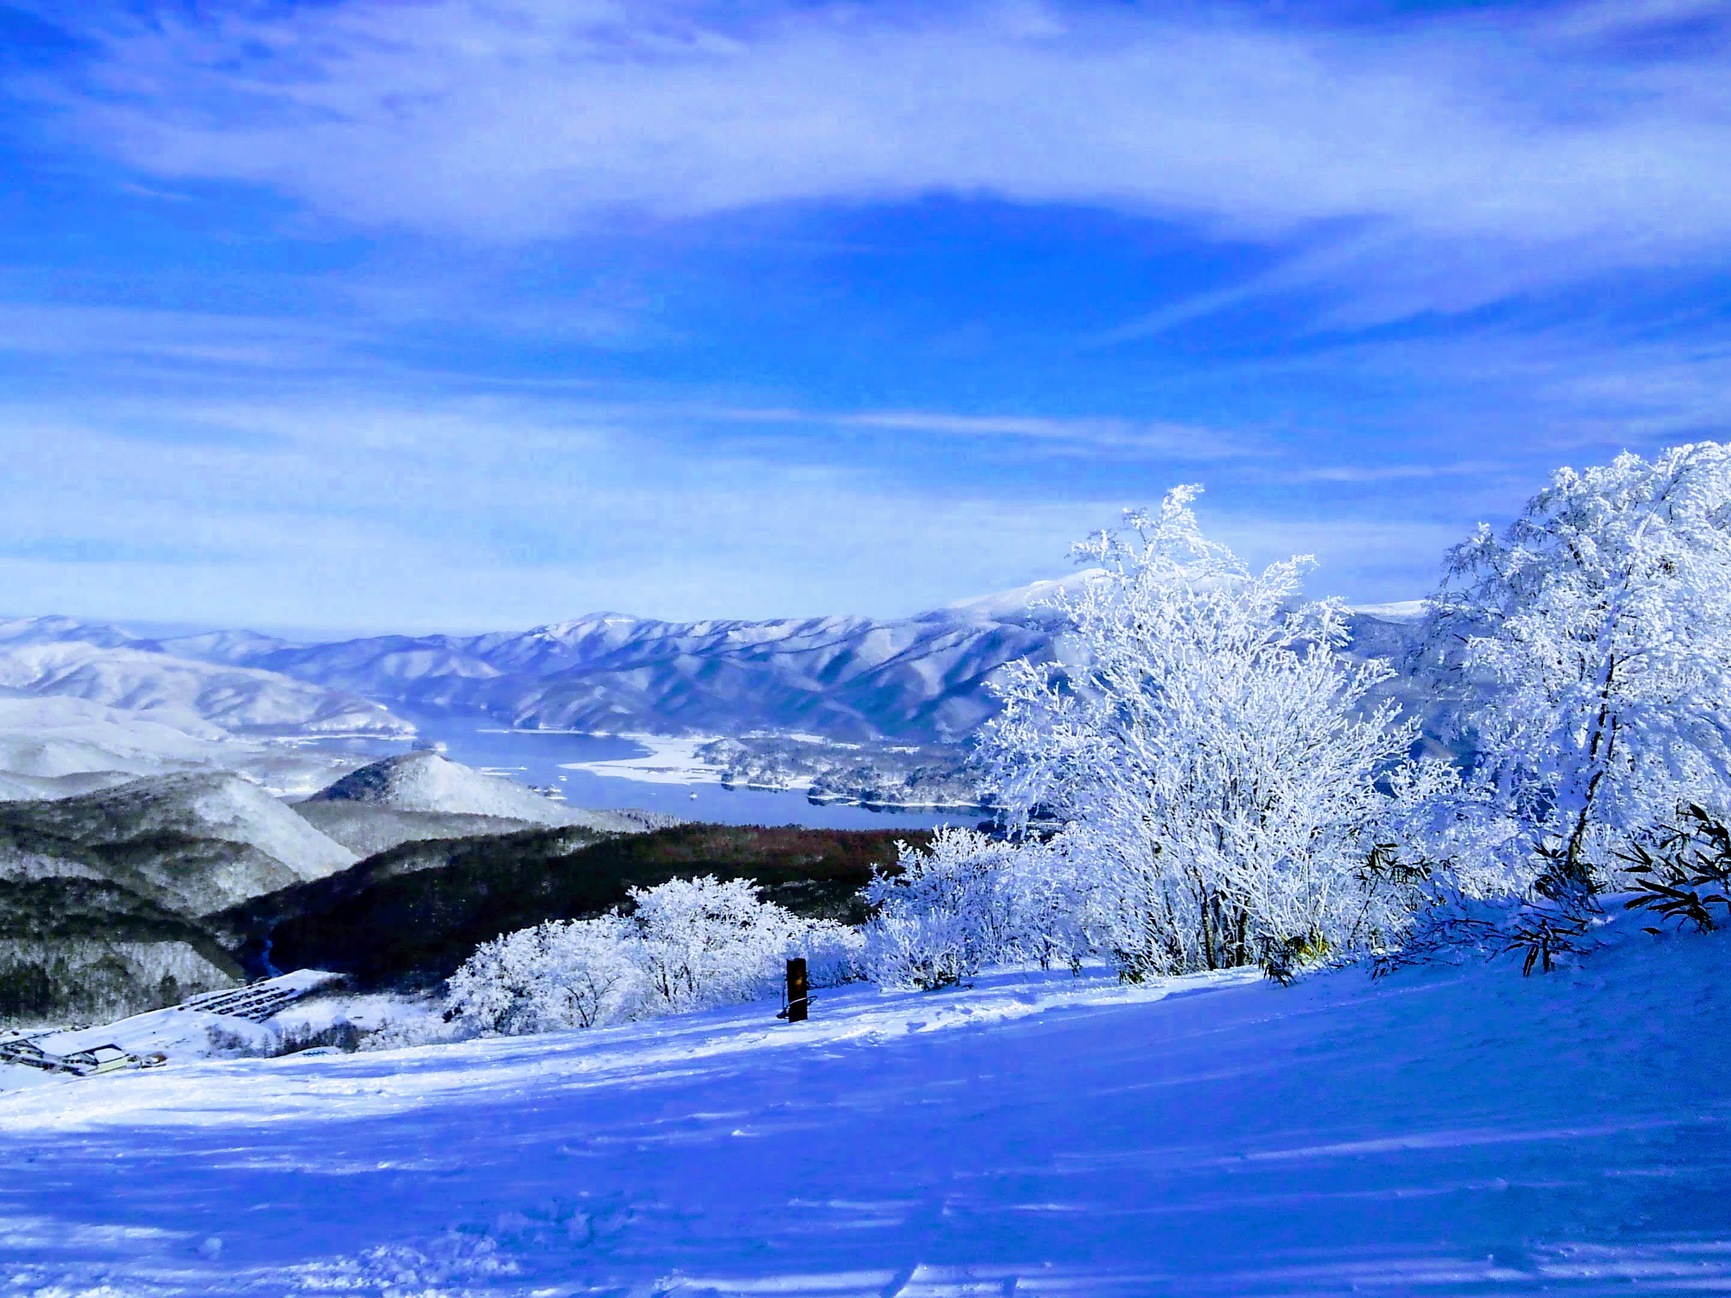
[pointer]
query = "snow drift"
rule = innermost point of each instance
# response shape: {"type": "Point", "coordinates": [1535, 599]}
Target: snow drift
{"type": "Point", "coordinates": [1443, 1130]}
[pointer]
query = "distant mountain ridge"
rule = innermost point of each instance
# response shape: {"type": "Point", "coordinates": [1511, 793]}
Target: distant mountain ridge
{"type": "Point", "coordinates": [55, 657]}
{"type": "Point", "coordinates": [919, 679]}
{"type": "Point", "coordinates": [190, 842]}
{"type": "Point", "coordinates": [845, 678]}
{"type": "Point", "coordinates": [421, 794]}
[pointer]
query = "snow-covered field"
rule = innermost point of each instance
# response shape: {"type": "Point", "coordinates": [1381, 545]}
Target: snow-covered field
{"type": "Point", "coordinates": [669, 760]}
{"type": "Point", "coordinates": [1454, 1130]}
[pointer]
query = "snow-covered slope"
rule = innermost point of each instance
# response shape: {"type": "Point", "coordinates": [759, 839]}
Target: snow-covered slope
{"type": "Point", "coordinates": [193, 843]}
{"type": "Point", "coordinates": [55, 746]}
{"type": "Point", "coordinates": [422, 795]}
{"type": "Point", "coordinates": [19, 631]}
{"type": "Point", "coordinates": [52, 737]}
{"type": "Point", "coordinates": [425, 781]}
{"type": "Point", "coordinates": [1443, 1131]}
{"type": "Point", "coordinates": [239, 699]}
{"type": "Point", "coordinates": [219, 806]}
{"type": "Point", "coordinates": [84, 706]}
{"type": "Point", "coordinates": [181, 1031]}
{"type": "Point", "coordinates": [366, 829]}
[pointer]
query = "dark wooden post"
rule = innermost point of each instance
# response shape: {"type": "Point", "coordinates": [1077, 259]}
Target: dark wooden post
{"type": "Point", "coordinates": [798, 991]}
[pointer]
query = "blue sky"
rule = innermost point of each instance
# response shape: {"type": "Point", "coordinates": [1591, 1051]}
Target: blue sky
{"type": "Point", "coordinates": [355, 315]}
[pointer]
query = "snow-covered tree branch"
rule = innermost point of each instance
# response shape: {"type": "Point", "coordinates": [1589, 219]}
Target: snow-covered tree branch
{"type": "Point", "coordinates": [1208, 752]}
{"type": "Point", "coordinates": [1595, 637]}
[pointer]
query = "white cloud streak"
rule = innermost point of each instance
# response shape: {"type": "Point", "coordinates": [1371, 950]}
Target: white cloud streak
{"type": "Point", "coordinates": [365, 515]}
{"type": "Point", "coordinates": [1085, 435]}
{"type": "Point", "coordinates": [147, 346]}
{"type": "Point", "coordinates": [1463, 156]}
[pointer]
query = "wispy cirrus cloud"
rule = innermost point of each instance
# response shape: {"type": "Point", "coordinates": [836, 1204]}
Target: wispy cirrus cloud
{"type": "Point", "coordinates": [203, 339]}
{"type": "Point", "coordinates": [481, 312]}
{"type": "Point", "coordinates": [1080, 434]}
{"type": "Point", "coordinates": [368, 514]}
{"type": "Point", "coordinates": [151, 347]}
{"type": "Point", "coordinates": [1447, 157]}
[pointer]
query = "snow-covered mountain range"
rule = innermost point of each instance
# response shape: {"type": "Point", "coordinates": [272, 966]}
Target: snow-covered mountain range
{"type": "Point", "coordinates": [85, 705]}
{"type": "Point", "coordinates": [845, 678]}
{"type": "Point", "coordinates": [849, 678]}
{"type": "Point", "coordinates": [916, 679]}
{"type": "Point", "coordinates": [60, 658]}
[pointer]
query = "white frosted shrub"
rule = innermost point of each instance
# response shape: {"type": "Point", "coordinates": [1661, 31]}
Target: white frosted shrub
{"type": "Point", "coordinates": [592, 974]}
{"type": "Point", "coordinates": [947, 912]}
{"type": "Point", "coordinates": [834, 953]}
{"type": "Point", "coordinates": [925, 950]}
{"type": "Point", "coordinates": [1049, 898]}
{"type": "Point", "coordinates": [709, 942]}
{"type": "Point", "coordinates": [560, 974]}
{"type": "Point", "coordinates": [686, 944]}
{"type": "Point", "coordinates": [1211, 756]}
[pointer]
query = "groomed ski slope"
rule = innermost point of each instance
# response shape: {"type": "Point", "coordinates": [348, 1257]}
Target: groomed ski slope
{"type": "Point", "coordinates": [1440, 1131]}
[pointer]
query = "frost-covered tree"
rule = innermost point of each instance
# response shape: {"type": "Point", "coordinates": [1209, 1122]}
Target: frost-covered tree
{"type": "Point", "coordinates": [1209, 752]}
{"type": "Point", "coordinates": [683, 945]}
{"type": "Point", "coordinates": [707, 941]}
{"type": "Point", "coordinates": [1048, 894]}
{"type": "Point", "coordinates": [1594, 635]}
{"type": "Point", "coordinates": [560, 974]}
{"type": "Point", "coordinates": [945, 912]}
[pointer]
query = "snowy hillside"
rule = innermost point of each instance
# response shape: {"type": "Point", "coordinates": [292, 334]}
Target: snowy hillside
{"type": "Point", "coordinates": [1441, 1131]}
{"type": "Point", "coordinates": [242, 700]}
{"type": "Point", "coordinates": [103, 895]}
{"type": "Point", "coordinates": [918, 679]}
{"type": "Point", "coordinates": [422, 795]}
{"type": "Point", "coordinates": [20, 631]}
{"type": "Point", "coordinates": [366, 829]}
{"type": "Point", "coordinates": [52, 747]}
{"type": "Point", "coordinates": [55, 746]}
{"type": "Point", "coordinates": [193, 843]}
{"type": "Point", "coordinates": [85, 706]}
{"type": "Point", "coordinates": [425, 781]}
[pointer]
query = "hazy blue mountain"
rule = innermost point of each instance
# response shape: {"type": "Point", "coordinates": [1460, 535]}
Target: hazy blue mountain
{"type": "Point", "coordinates": [54, 657]}
{"type": "Point", "coordinates": [917, 679]}
{"type": "Point", "coordinates": [845, 678]}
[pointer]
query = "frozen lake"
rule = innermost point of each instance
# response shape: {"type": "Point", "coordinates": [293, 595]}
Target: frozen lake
{"type": "Point", "coordinates": [541, 757]}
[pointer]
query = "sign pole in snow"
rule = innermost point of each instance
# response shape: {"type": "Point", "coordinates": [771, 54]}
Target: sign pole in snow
{"type": "Point", "coordinates": [798, 998]}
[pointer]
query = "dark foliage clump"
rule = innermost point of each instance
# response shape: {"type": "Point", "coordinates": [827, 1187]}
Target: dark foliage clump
{"type": "Point", "coordinates": [1554, 918]}
{"type": "Point", "coordinates": [1686, 872]}
{"type": "Point", "coordinates": [71, 951]}
{"type": "Point", "coordinates": [341, 1035]}
{"type": "Point", "coordinates": [408, 917]}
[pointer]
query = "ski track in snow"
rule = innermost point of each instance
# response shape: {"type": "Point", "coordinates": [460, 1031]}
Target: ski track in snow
{"type": "Point", "coordinates": [1442, 1131]}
